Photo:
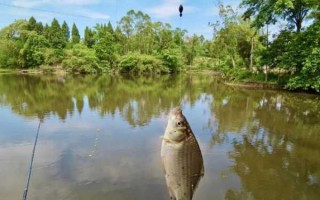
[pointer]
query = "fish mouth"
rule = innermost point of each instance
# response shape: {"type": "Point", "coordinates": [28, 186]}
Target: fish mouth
{"type": "Point", "coordinates": [176, 111]}
{"type": "Point", "coordinates": [181, 128]}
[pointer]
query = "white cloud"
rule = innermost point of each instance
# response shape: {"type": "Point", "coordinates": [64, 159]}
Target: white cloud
{"type": "Point", "coordinates": [28, 4]}
{"type": "Point", "coordinates": [73, 8]}
{"type": "Point", "coordinates": [76, 2]}
{"type": "Point", "coordinates": [212, 11]}
{"type": "Point", "coordinates": [169, 8]}
{"type": "Point", "coordinates": [92, 14]}
{"type": "Point", "coordinates": [34, 3]}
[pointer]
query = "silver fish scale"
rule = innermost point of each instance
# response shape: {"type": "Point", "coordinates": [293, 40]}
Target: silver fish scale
{"type": "Point", "coordinates": [183, 166]}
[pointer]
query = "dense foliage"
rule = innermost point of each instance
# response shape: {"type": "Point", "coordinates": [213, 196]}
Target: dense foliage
{"type": "Point", "coordinates": [244, 50]}
{"type": "Point", "coordinates": [136, 45]}
{"type": "Point", "coordinates": [241, 49]}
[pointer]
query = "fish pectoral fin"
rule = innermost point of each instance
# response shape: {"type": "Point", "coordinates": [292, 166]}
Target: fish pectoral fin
{"type": "Point", "coordinates": [165, 139]}
{"type": "Point", "coordinates": [202, 170]}
{"type": "Point", "coordinates": [197, 175]}
{"type": "Point", "coordinates": [171, 193]}
{"type": "Point", "coordinates": [168, 140]}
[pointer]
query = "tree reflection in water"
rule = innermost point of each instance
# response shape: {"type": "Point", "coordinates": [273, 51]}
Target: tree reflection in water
{"type": "Point", "coordinates": [137, 99]}
{"type": "Point", "coordinates": [275, 139]}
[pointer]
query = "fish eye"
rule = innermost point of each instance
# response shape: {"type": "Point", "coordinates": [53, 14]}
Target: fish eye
{"type": "Point", "coordinates": [179, 123]}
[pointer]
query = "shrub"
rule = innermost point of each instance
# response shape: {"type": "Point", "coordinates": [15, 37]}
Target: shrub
{"type": "Point", "coordinates": [309, 77]}
{"type": "Point", "coordinates": [141, 63]}
{"type": "Point", "coordinates": [52, 56]}
{"type": "Point", "coordinates": [236, 74]}
{"type": "Point", "coordinates": [81, 59]}
{"type": "Point", "coordinates": [46, 69]}
{"type": "Point", "coordinates": [172, 59]}
{"type": "Point", "coordinates": [204, 63]}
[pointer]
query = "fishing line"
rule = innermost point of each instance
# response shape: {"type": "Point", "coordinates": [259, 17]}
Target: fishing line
{"type": "Point", "coordinates": [180, 75]}
{"type": "Point", "coordinates": [94, 149]}
{"type": "Point", "coordinates": [25, 192]}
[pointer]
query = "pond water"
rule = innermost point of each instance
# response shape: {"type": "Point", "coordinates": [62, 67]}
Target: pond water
{"type": "Point", "coordinates": [100, 138]}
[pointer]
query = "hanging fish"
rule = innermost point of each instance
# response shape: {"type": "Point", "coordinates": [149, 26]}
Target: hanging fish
{"type": "Point", "coordinates": [181, 157]}
{"type": "Point", "coordinates": [180, 10]}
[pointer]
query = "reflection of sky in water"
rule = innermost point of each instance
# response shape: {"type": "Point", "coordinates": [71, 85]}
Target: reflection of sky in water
{"type": "Point", "coordinates": [225, 101]}
{"type": "Point", "coordinates": [263, 102]}
{"type": "Point", "coordinates": [14, 129]}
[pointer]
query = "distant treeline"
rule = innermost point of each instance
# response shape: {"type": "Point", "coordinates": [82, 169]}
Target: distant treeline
{"type": "Point", "coordinates": [240, 48]}
{"type": "Point", "coordinates": [136, 44]}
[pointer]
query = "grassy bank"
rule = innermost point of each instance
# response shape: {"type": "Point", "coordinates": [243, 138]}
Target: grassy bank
{"type": "Point", "coordinates": [233, 78]}
{"type": "Point", "coordinates": [41, 70]}
{"type": "Point", "coordinates": [255, 85]}
{"type": "Point", "coordinates": [7, 71]}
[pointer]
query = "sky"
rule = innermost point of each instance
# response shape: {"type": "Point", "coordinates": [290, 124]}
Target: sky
{"type": "Point", "coordinates": [196, 15]}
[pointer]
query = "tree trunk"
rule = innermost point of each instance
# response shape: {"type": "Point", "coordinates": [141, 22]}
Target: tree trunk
{"type": "Point", "coordinates": [266, 75]}
{"type": "Point", "coordinates": [299, 25]}
{"type": "Point", "coordinates": [233, 62]}
{"type": "Point", "coordinates": [251, 54]}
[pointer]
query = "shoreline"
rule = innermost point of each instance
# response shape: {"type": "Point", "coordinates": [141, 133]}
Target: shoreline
{"type": "Point", "coordinates": [246, 85]}
{"type": "Point", "coordinates": [256, 85]}
{"type": "Point", "coordinates": [58, 71]}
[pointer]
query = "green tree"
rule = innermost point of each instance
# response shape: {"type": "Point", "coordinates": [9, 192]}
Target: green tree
{"type": "Point", "coordinates": [12, 39]}
{"type": "Point", "coordinates": [178, 35]}
{"type": "Point", "coordinates": [9, 53]}
{"type": "Point", "coordinates": [315, 14]}
{"type": "Point", "coordinates": [120, 40]}
{"type": "Point", "coordinates": [39, 28]}
{"type": "Point", "coordinates": [75, 36]}
{"type": "Point", "coordinates": [32, 23]}
{"type": "Point", "coordinates": [88, 37]}
{"type": "Point", "coordinates": [81, 59]}
{"type": "Point", "coordinates": [273, 56]}
{"type": "Point", "coordinates": [110, 28]}
{"type": "Point", "coordinates": [235, 42]}
{"type": "Point", "coordinates": [162, 36]}
{"type": "Point", "coordinates": [126, 25]}
{"type": "Point", "coordinates": [55, 35]}
{"type": "Point", "coordinates": [172, 59]}
{"type": "Point", "coordinates": [32, 53]}
{"type": "Point", "coordinates": [309, 77]}
{"type": "Point", "coordinates": [104, 46]}
{"type": "Point", "coordinates": [303, 59]}
{"type": "Point", "coordinates": [66, 31]}
{"type": "Point", "coordinates": [141, 63]}
{"type": "Point", "coordinates": [266, 12]}
{"type": "Point", "coordinates": [31, 44]}
{"type": "Point", "coordinates": [138, 27]}
{"type": "Point", "coordinates": [192, 48]}
{"type": "Point", "coordinates": [46, 30]}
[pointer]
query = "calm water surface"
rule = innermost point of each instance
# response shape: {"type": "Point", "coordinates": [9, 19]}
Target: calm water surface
{"type": "Point", "coordinates": [100, 138]}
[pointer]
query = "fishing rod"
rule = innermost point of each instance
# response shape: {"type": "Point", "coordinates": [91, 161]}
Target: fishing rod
{"type": "Point", "coordinates": [25, 192]}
